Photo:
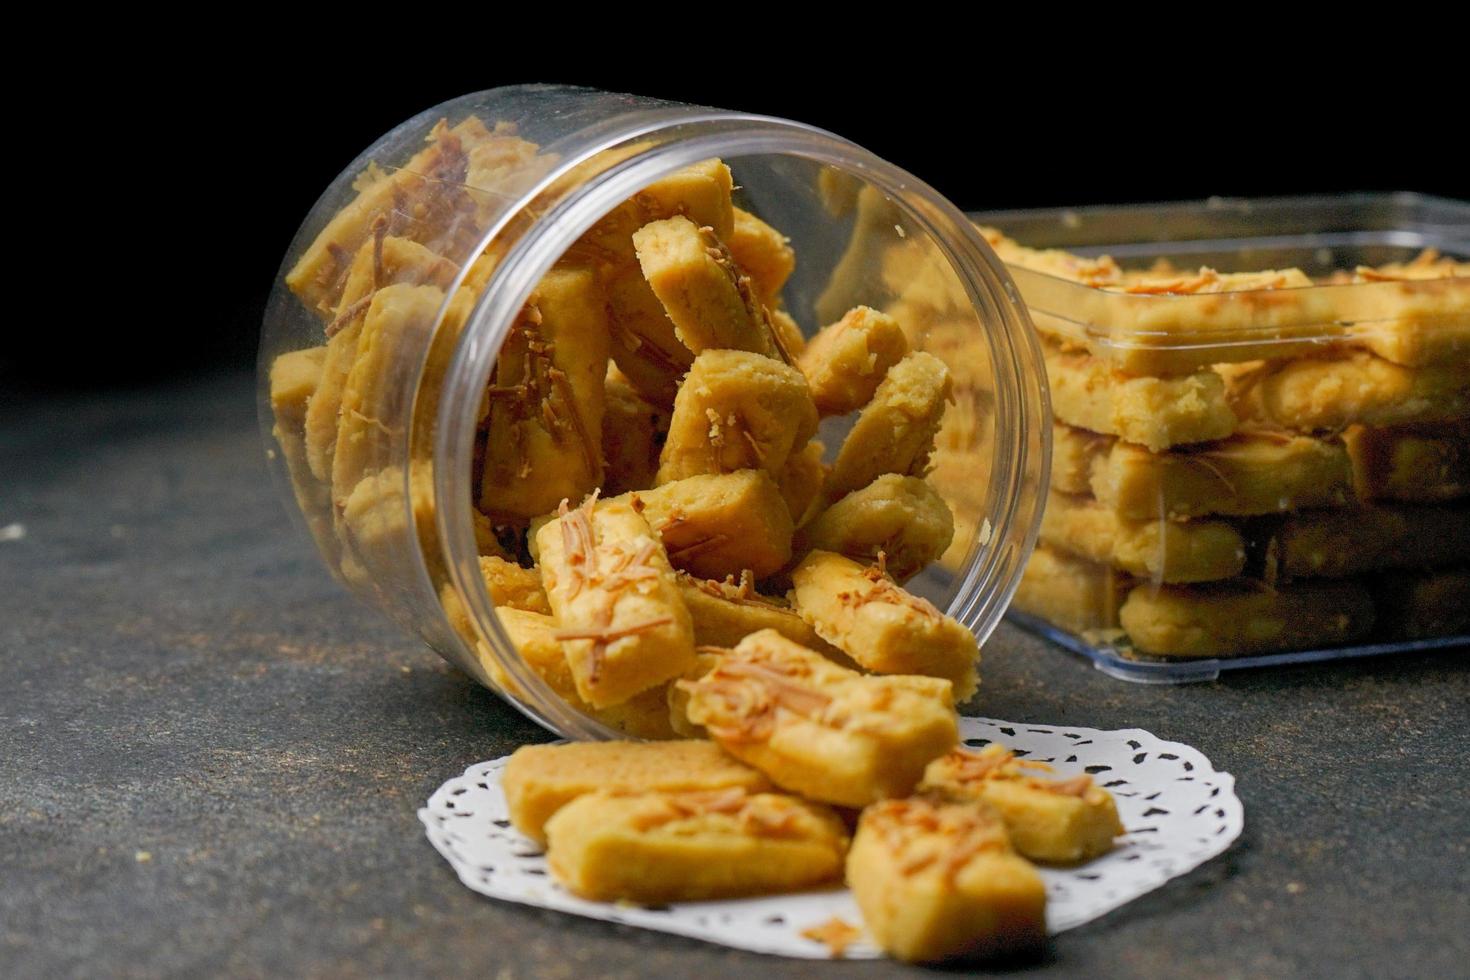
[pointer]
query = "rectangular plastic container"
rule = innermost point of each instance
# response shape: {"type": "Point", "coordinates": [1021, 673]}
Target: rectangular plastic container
{"type": "Point", "coordinates": [1261, 429]}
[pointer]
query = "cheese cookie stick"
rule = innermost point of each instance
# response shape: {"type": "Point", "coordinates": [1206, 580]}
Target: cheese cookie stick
{"type": "Point", "coordinates": [688, 846]}
{"type": "Point", "coordinates": [1341, 543]}
{"type": "Point", "coordinates": [737, 411]}
{"type": "Point", "coordinates": [1059, 821]}
{"type": "Point", "coordinates": [1167, 551]}
{"type": "Point", "coordinates": [1418, 310]}
{"type": "Point", "coordinates": [1073, 593]}
{"type": "Point", "coordinates": [623, 624]}
{"type": "Point", "coordinates": [720, 524]}
{"type": "Point", "coordinates": [294, 381]}
{"type": "Point", "coordinates": [1416, 464]}
{"type": "Point", "coordinates": [544, 431]}
{"type": "Point", "coordinates": [763, 253]}
{"type": "Point", "coordinates": [1333, 392]}
{"type": "Point", "coordinates": [1206, 620]}
{"type": "Point", "coordinates": [801, 481]}
{"type": "Point", "coordinates": [788, 333]}
{"type": "Point", "coordinates": [1074, 454]}
{"type": "Point", "coordinates": [900, 517]}
{"type": "Point", "coordinates": [644, 343]}
{"type": "Point", "coordinates": [381, 262]}
{"type": "Point", "coordinates": [895, 432]}
{"type": "Point", "coordinates": [425, 200]}
{"type": "Point", "coordinates": [1249, 473]}
{"type": "Point", "coordinates": [1154, 412]}
{"type": "Point", "coordinates": [726, 612]}
{"type": "Point", "coordinates": [512, 586]}
{"type": "Point", "coordinates": [633, 433]}
{"type": "Point", "coordinates": [818, 729]}
{"type": "Point", "coordinates": [711, 301]}
{"type": "Point", "coordinates": [885, 629]}
{"type": "Point", "coordinates": [939, 881]}
{"type": "Point", "coordinates": [541, 779]}
{"type": "Point", "coordinates": [535, 635]}
{"type": "Point", "coordinates": [396, 325]}
{"type": "Point", "coordinates": [845, 362]}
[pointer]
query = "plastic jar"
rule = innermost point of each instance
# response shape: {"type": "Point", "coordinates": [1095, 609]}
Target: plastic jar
{"type": "Point", "coordinates": [498, 185]}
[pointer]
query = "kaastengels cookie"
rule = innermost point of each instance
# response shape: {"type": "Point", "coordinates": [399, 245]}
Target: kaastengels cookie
{"type": "Point", "coordinates": [725, 612]}
{"type": "Point", "coordinates": [817, 729]}
{"type": "Point", "coordinates": [939, 881]}
{"type": "Point", "coordinates": [1412, 464]}
{"type": "Point", "coordinates": [692, 846]}
{"type": "Point", "coordinates": [534, 635]}
{"type": "Point", "coordinates": [901, 517]}
{"type": "Point", "coordinates": [801, 481]}
{"type": "Point", "coordinates": [1058, 821]}
{"type": "Point", "coordinates": [644, 343]}
{"type": "Point", "coordinates": [763, 253]}
{"type": "Point", "coordinates": [294, 381]}
{"type": "Point", "coordinates": [540, 779]}
{"type": "Point", "coordinates": [1169, 551]}
{"type": "Point", "coordinates": [633, 433]}
{"type": "Point", "coordinates": [616, 601]}
{"type": "Point", "coordinates": [1249, 473]}
{"type": "Point", "coordinates": [644, 346]}
{"type": "Point", "coordinates": [1341, 543]}
{"type": "Point", "coordinates": [737, 411]}
{"type": "Point", "coordinates": [1074, 453]}
{"type": "Point", "coordinates": [1156, 413]}
{"type": "Point", "coordinates": [1167, 321]}
{"type": "Point", "coordinates": [1074, 593]}
{"type": "Point", "coordinates": [862, 612]}
{"type": "Point", "coordinates": [384, 509]}
{"type": "Point", "coordinates": [546, 402]}
{"type": "Point", "coordinates": [396, 316]}
{"type": "Point", "coordinates": [787, 334]}
{"type": "Point", "coordinates": [426, 200]}
{"type": "Point", "coordinates": [514, 587]}
{"type": "Point", "coordinates": [718, 524]}
{"type": "Point", "coordinates": [1243, 616]}
{"type": "Point", "coordinates": [382, 261]}
{"type": "Point", "coordinates": [1418, 310]}
{"type": "Point", "coordinates": [846, 361]}
{"type": "Point", "coordinates": [1331, 392]}
{"type": "Point", "coordinates": [894, 433]}
{"type": "Point", "coordinates": [710, 300]}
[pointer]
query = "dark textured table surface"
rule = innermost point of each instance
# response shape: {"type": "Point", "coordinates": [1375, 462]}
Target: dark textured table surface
{"type": "Point", "coordinates": [211, 757]}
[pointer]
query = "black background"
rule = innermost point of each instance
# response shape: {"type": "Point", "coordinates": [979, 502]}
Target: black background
{"type": "Point", "coordinates": [213, 158]}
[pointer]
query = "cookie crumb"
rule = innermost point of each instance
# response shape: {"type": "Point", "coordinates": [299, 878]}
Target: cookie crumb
{"type": "Point", "coordinates": [835, 934]}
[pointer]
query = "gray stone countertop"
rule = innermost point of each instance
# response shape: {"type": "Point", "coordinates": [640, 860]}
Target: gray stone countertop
{"type": "Point", "coordinates": [211, 757]}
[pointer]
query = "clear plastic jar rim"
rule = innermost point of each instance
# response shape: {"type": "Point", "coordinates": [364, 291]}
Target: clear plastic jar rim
{"type": "Point", "coordinates": [1023, 448]}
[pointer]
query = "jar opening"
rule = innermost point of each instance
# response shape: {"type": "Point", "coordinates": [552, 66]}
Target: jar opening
{"type": "Point", "coordinates": [434, 265]}
{"type": "Point", "coordinates": [864, 232]}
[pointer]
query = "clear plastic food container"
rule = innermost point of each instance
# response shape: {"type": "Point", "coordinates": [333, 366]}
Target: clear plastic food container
{"type": "Point", "coordinates": [435, 371]}
{"type": "Point", "coordinates": [1261, 449]}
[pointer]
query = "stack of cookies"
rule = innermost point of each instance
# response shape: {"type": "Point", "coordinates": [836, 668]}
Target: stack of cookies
{"type": "Point", "coordinates": [1252, 462]}
{"type": "Point", "coordinates": [807, 774]}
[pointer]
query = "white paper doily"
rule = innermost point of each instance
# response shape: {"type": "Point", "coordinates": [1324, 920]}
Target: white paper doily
{"type": "Point", "coordinates": [1179, 813]}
